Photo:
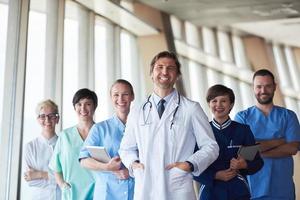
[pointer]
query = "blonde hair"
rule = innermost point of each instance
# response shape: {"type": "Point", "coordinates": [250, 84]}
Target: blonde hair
{"type": "Point", "coordinates": [46, 103]}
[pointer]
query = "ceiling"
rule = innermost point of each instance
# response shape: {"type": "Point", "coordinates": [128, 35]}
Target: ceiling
{"type": "Point", "coordinates": [275, 20]}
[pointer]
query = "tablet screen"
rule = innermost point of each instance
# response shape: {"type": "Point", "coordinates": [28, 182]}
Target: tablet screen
{"type": "Point", "coordinates": [248, 152]}
{"type": "Point", "coordinates": [99, 153]}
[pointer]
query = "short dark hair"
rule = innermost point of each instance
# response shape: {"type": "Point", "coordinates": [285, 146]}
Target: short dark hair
{"type": "Point", "coordinates": [219, 90]}
{"type": "Point", "coordinates": [263, 72]}
{"type": "Point", "coordinates": [165, 54]}
{"type": "Point", "coordinates": [125, 82]}
{"type": "Point", "coordinates": [85, 93]}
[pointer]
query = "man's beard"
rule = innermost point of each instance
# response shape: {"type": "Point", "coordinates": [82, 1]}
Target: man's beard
{"type": "Point", "coordinates": [265, 101]}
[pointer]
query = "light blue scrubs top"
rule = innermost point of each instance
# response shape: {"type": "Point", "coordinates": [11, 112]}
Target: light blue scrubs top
{"type": "Point", "coordinates": [275, 180]}
{"type": "Point", "coordinates": [108, 134]}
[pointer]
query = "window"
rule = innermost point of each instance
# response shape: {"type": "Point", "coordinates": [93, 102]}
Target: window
{"type": "Point", "coordinates": [234, 85]}
{"type": "Point", "coordinates": [70, 72]}
{"type": "Point", "coordinates": [70, 63]}
{"type": "Point", "coordinates": [130, 69]}
{"type": "Point", "coordinates": [192, 35]}
{"type": "Point", "coordinates": [34, 89]}
{"type": "Point", "coordinates": [210, 67]}
{"type": "Point", "coordinates": [126, 56]}
{"type": "Point", "coordinates": [101, 65]}
{"type": "Point", "coordinates": [198, 75]}
{"type": "Point", "coordinates": [3, 32]}
{"type": "Point", "coordinates": [176, 28]}
{"type": "Point", "coordinates": [292, 105]}
{"type": "Point", "coordinates": [185, 76]}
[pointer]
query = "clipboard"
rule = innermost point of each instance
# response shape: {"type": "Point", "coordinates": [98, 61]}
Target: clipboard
{"type": "Point", "coordinates": [99, 153]}
{"type": "Point", "coordinates": [248, 152]}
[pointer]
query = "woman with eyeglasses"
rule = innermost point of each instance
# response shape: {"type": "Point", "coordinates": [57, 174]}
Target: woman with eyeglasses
{"type": "Point", "coordinates": [38, 153]}
{"type": "Point", "coordinates": [75, 182]}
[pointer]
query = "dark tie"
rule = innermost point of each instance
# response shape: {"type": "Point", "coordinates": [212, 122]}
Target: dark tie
{"type": "Point", "coordinates": [161, 107]}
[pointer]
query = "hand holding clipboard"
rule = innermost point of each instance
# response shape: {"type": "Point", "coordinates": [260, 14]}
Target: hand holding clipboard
{"type": "Point", "coordinates": [99, 153]}
{"type": "Point", "coordinates": [248, 152]}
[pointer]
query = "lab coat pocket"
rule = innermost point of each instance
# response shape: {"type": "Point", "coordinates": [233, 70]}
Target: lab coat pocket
{"type": "Point", "coordinates": [179, 178]}
{"type": "Point", "coordinates": [177, 130]}
{"type": "Point", "coordinates": [138, 173]}
{"type": "Point", "coordinates": [139, 180]}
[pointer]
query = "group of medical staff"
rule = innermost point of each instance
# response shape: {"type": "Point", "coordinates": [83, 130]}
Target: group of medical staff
{"type": "Point", "coordinates": [159, 147]}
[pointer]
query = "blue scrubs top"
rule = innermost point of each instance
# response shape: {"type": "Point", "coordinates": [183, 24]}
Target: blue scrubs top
{"type": "Point", "coordinates": [229, 136]}
{"type": "Point", "coordinates": [108, 134]}
{"type": "Point", "coordinates": [275, 179]}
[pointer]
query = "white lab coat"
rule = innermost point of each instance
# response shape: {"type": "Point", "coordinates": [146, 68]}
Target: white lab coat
{"type": "Point", "coordinates": [37, 155]}
{"type": "Point", "coordinates": [156, 145]}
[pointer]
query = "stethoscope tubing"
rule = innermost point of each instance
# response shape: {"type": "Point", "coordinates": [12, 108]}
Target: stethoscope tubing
{"type": "Point", "coordinates": [150, 107]}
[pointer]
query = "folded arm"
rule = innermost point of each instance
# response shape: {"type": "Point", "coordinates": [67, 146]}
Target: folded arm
{"type": "Point", "coordinates": [33, 174]}
{"type": "Point", "coordinates": [266, 145]}
{"type": "Point", "coordinates": [36, 178]}
{"type": "Point", "coordinates": [283, 150]}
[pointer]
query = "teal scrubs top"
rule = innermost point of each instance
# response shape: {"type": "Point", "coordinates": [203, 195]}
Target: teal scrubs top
{"type": "Point", "coordinates": [65, 161]}
{"type": "Point", "coordinates": [275, 180]}
{"type": "Point", "coordinates": [108, 134]}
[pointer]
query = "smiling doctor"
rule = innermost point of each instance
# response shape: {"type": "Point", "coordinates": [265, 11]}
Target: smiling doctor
{"type": "Point", "coordinates": [161, 135]}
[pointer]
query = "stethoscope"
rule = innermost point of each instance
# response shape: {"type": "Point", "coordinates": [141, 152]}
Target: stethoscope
{"type": "Point", "coordinates": [150, 108]}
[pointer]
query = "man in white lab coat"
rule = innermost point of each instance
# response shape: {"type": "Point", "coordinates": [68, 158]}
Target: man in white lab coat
{"type": "Point", "coordinates": [159, 150]}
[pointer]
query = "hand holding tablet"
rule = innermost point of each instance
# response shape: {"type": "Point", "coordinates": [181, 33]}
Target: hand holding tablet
{"type": "Point", "coordinates": [249, 152]}
{"type": "Point", "coordinates": [99, 153]}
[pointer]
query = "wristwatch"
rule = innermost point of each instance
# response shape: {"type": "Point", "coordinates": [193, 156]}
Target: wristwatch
{"type": "Point", "coordinates": [191, 165]}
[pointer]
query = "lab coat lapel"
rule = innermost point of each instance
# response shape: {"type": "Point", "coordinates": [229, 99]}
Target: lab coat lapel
{"type": "Point", "coordinates": [170, 109]}
{"type": "Point", "coordinates": [155, 117]}
{"type": "Point", "coordinates": [167, 115]}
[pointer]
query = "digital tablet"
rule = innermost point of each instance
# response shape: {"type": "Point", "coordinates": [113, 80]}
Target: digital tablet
{"type": "Point", "coordinates": [99, 153]}
{"type": "Point", "coordinates": [248, 152]}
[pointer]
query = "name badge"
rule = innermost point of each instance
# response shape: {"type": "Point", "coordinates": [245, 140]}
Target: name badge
{"type": "Point", "coordinates": [233, 146]}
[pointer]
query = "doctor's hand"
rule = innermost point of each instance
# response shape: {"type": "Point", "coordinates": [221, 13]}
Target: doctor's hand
{"type": "Point", "coordinates": [137, 165]}
{"type": "Point", "coordinates": [181, 165]}
{"type": "Point", "coordinates": [238, 163]}
{"type": "Point", "coordinates": [225, 175]}
{"type": "Point", "coordinates": [114, 164]}
{"type": "Point", "coordinates": [122, 174]}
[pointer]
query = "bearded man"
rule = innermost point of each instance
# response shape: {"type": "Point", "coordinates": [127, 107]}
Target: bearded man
{"type": "Point", "coordinates": [278, 132]}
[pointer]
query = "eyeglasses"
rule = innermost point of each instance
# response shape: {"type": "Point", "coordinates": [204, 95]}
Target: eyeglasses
{"type": "Point", "coordinates": [50, 116]}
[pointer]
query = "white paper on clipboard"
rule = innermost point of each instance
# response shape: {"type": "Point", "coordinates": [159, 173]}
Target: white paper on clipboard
{"type": "Point", "coordinates": [248, 152]}
{"type": "Point", "coordinates": [99, 153]}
